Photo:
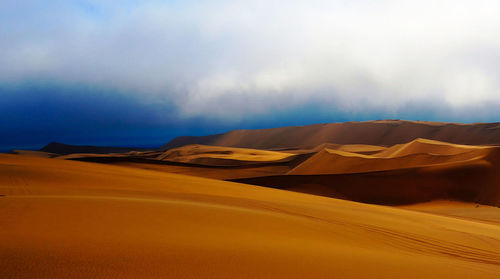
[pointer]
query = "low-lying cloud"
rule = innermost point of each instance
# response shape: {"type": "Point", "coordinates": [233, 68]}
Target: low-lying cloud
{"type": "Point", "coordinates": [233, 60]}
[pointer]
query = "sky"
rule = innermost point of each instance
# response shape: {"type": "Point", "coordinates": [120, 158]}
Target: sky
{"type": "Point", "coordinates": [142, 72]}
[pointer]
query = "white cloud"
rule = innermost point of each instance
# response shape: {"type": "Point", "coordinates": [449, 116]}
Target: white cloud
{"type": "Point", "coordinates": [240, 58]}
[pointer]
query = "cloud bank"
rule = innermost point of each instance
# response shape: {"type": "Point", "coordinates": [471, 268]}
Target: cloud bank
{"type": "Point", "coordinates": [234, 60]}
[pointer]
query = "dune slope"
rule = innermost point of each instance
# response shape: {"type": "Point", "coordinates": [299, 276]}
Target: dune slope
{"type": "Point", "coordinates": [72, 219]}
{"type": "Point", "coordinates": [419, 171]}
{"type": "Point", "coordinates": [382, 133]}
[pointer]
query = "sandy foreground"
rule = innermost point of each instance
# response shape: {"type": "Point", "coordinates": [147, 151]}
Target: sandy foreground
{"type": "Point", "coordinates": [69, 219]}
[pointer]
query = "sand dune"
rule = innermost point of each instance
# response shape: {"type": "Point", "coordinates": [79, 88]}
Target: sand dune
{"type": "Point", "coordinates": [436, 170]}
{"type": "Point", "coordinates": [428, 147]}
{"type": "Point", "coordinates": [418, 171]}
{"type": "Point", "coordinates": [359, 148]}
{"type": "Point", "coordinates": [203, 161]}
{"type": "Point", "coordinates": [418, 153]}
{"type": "Point", "coordinates": [222, 156]}
{"type": "Point", "coordinates": [354, 148]}
{"type": "Point", "coordinates": [474, 182]}
{"type": "Point", "coordinates": [68, 219]}
{"type": "Point", "coordinates": [335, 162]}
{"type": "Point", "coordinates": [381, 133]}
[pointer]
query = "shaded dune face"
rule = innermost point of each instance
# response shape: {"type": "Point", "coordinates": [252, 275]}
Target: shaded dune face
{"type": "Point", "coordinates": [422, 170]}
{"type": "Point", "coordinates": [471, 182]}
{"type": "Point", "coordinates": [68, 219]}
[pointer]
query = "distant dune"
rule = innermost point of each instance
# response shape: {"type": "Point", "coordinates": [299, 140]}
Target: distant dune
{"type": "Point", "coordinates": [222, 156]}
{"type": "Point", "coordinates": [381, 133]}
{"type": "Point", "coordinates": [68, 219]}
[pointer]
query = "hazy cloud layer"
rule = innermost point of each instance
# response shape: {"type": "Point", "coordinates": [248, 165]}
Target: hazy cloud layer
{"type": "Point", "coordinates": [236, 59]}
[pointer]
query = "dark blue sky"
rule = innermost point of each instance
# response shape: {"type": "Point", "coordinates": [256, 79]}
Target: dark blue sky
{"type": "Point", "coordinates": [36, 113]}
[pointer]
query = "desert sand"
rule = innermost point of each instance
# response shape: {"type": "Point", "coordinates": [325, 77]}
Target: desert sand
{"type": "Point", "coordinates": [70, 219]}
{"type": "Point", "coordinates": [379, 199]}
